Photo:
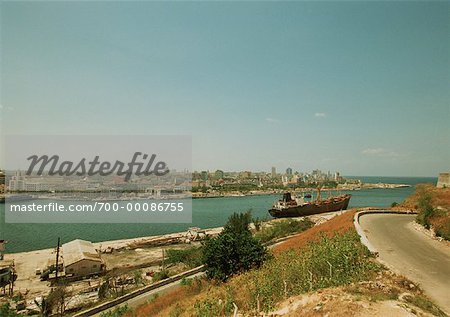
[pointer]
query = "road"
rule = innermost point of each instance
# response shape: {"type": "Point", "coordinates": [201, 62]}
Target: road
{"type": "Point", "coordinates": [411, 253]}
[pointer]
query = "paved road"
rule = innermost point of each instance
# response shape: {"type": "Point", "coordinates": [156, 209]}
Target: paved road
{"type": "Point", "coordinates": [411, 253]}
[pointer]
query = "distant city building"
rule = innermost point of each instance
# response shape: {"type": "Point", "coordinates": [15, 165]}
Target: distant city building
{"type": "Point", "coordinates": [2, 181]}
{"type": "Point", "coordinates": [274, 172]}
{"type": "Point", "coordinates": [17, 182]}
{"type": "Point", "coordinates": [289, 171]}
{"type": "Point", "coordinates": [245, 174]}
{"type": "Point", "coordinates": [443, 180]}
{"type": "Point", "coordinates": [2, 177]}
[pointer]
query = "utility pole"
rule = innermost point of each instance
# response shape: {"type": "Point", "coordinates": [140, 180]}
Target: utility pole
{"type": "Point", "coordinates": [57, 260]}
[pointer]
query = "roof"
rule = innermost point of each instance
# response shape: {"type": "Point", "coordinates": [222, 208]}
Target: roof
{"type": "Point", "coordinates": [77, 250]}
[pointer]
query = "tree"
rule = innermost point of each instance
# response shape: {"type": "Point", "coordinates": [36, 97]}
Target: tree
{"type": "Point", "coordinates": [58, 299]}
{"type": "Point", "coordinates": [238, 223]}
{"type": "Point", "coordinates": [234, 250]}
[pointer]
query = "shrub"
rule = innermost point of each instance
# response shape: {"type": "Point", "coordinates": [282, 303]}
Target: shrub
{"type": "Point", "coordinates": [160, 275]}
{"type": "Point", "coordinates": [233, 250]}
{"type": "Point", "coordinates": [425, 210]}
{"type": "Point", "coordinates": [6, 311]}
{"type": "Point", "coordinates": [238, 223]}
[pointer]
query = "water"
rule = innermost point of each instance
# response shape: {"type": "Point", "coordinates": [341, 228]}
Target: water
{"type": "Point", "coordinates": [207, 213]}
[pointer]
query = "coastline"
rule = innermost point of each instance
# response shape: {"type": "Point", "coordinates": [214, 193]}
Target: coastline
{"type": "Point", "coordinates": [235, 194]}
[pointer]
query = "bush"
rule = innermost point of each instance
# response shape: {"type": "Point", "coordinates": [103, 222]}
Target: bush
{"type": "Point", "coordinates": [234, 250]}
{"type": "Point", "coordinates": [160, 275]}
{"type": "Point", "coordinates": [6, 311]}
{"type": "Point", "coordinates": [426, 210]}
{"type": "Point", "coordinates": [238, 223]}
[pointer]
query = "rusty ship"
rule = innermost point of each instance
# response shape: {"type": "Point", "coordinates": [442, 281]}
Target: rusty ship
{"type": "Point", "coordinates": [290, 206]}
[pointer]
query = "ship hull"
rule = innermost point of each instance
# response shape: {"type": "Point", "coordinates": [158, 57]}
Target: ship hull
{"type": "Point", "coordinates": [312, 208]}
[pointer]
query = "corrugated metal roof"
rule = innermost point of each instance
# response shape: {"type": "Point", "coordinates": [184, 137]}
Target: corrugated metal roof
{"type": "Point", "coordinates": [78, 250]}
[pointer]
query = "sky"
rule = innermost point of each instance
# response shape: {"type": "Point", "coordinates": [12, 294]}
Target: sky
{"type": "Point", "coordinates": [356, 87]}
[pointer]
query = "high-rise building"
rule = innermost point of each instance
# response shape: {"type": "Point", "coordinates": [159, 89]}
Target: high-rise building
{"type": "Point", "coordinates": [289, 171]}
{"type": "Point", "coordinates": [17, 182]}
{"type": "Point", "coordinates": [274, 172]}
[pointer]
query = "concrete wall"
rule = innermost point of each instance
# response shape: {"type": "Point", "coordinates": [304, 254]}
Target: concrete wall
{"type": "Point", "coordinates": [443, 180]}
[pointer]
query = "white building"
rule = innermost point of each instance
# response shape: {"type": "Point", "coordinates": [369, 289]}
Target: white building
{"type": "Point", "coordinates": [17, 182]}
{"type": "Point", "coordinates": [81, 258]}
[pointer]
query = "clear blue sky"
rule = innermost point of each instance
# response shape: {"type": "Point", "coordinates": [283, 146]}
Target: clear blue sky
{"type": "Point", "coordinates": [358, 87]}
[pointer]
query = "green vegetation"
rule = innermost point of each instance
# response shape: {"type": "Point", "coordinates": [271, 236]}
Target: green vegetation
{"type": "Point", "coordinates": [374, 295]}
{"type": "Point", "coordinates": [6, 311]}
{"type": "Point", "coordinates": [116, 312]}
{"type": "Point", "coordinates": [283, 228]}
{"type": "Point", "coordinates": [334, 261]}
{"type": "Point", "coordinates": [192, 257]}
{"type": "Point", "coordinates": [433, 206]}
{"type": "Point", "coordinates": [213, 307]}
{"type": "Point", "coordinates": [425, 208]}
{"type": "Point", "coordinates": [425, 304]}
{"type": "Point", "coordinates": [160, 275]}
{"type": "Point", "coordinates": [339, 260]}
{"type": "Point", "coordinates": [394, 204]}
{"type": "Point", "coordinates": [234, 250]}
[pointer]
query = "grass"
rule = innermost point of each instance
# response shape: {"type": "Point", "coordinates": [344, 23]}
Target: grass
{"type": "Point", "coordinates": [116, 312]}
{"type": "Point", "coordinates": [374, 295]}
{"type": "Point", "coordinates": [283, 228]}
{"type": "Point", "coordinates": [288, 274]}
{"type": "Point", "coordinates": [191, 257]}
{"type": "Point", "coordinates": [330, 261]}
{"type": "Point", "coordinates": [425, 304]}
{"type": "Point", "coordinates": [168, 305]}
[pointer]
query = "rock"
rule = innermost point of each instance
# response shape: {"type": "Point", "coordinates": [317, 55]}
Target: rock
{"type": "Point", "coordinates": [318, 307]}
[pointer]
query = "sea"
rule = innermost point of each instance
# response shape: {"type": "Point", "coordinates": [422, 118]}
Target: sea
{"type": "Point", "coordinates": [206, 213]}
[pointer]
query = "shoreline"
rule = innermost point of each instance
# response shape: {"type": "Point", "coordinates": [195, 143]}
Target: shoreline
{"type": "Point", "coordinates": [237, 194]}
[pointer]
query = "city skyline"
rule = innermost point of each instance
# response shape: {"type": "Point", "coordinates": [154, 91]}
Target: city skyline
{"type": "Point", "coordinates": [356, 87]}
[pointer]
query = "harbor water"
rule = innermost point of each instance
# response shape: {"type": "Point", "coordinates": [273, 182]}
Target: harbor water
{"type": "Point", "coordinates": [207, 213]}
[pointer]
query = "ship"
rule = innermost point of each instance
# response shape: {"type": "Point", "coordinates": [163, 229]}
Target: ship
{"type": "Point", "coordinates": [290, 206]}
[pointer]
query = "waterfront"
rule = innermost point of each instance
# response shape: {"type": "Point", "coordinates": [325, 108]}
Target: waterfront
{"type": "Point", "coordinates": [207, 213]}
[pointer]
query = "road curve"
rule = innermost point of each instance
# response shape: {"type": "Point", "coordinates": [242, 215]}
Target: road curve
{"type": "Point", "coordinates": [411, 253]}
